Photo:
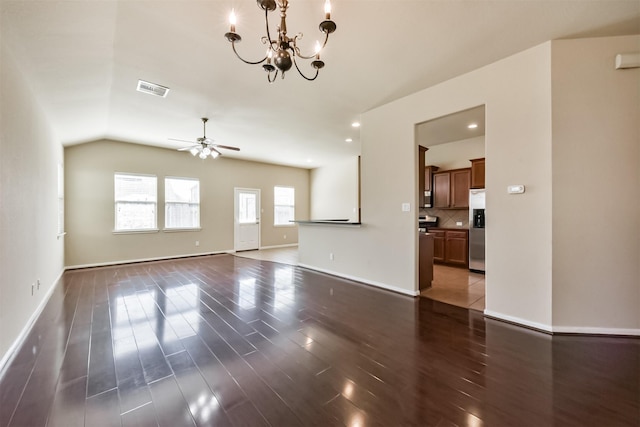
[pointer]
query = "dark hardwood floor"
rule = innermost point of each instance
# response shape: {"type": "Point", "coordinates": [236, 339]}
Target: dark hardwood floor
{"type": "Point", "coordinates": [224, 340]}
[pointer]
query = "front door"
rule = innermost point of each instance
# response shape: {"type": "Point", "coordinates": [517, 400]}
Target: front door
{"type": "Point", "coordinates": [247, 219]}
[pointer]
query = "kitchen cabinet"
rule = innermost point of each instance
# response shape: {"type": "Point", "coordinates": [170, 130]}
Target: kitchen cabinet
{"type": "Point", "coordinates": [425, 268]}
{"type": "Point", "coordinates": [439, 237]}
{"type": "Point", "coordinates": [451, 246]}
{"type": "Point", "coordinates": [477, 173]}
{"type": "Point", "coordinates": [428, 177]}
{"type": "Point", "coordinates": [451, 189]}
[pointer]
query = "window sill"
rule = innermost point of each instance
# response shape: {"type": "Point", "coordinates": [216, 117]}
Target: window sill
{"type": "Point", "coordinates": [179, 230]}
{"type": "Point", "coordinates": [148, 231]}
{"type": "Point", "coordinates": [284, 225]}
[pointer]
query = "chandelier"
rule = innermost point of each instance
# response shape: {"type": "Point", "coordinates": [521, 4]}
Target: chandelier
{"type": "Point", "coordinates": [282, 52]}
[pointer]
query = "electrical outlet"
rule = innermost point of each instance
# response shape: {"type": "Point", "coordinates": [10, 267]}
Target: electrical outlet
{"type": "Point", "coordinates": [459, 223]}
{"type": "Point", "coordinates": [331, 256]}
{"type": "Point", "coordinates": [285, 237]}
{"type": "Point", "coordinates": [197, 242]}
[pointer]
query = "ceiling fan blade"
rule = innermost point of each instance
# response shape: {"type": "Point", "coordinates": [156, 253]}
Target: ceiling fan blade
{"type": "Point", "coordinates": [226, 147]}
{"type": "Point", "coordinates": [182, 140]}
{"type": "Point", "coordinates": [188, 148]}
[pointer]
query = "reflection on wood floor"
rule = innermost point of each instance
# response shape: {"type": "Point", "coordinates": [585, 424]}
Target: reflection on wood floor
{"type": "Point", "coordinates": [451, 285]}
{"type": "Point", "coordinates": [230, 341]}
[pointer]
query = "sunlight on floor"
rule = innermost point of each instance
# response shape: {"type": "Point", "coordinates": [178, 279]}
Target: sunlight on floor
{"type": "Point", "coordinates": [451, 285]}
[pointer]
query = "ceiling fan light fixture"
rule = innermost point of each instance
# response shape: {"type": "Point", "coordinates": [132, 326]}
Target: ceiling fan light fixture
{"type": "Point", "coordinates": [204, 147]}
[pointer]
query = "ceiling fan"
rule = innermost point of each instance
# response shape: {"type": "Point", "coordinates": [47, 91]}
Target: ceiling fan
{"type": "Point", "coordinates": [203, 146]}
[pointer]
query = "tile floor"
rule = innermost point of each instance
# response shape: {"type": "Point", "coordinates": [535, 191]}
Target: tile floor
{"type": "Point", "coordinates": [287, 255]}
{"type": "Point", "coordinates": [451, 285]}
{"type": "Point", "coordinates": [457, 286]}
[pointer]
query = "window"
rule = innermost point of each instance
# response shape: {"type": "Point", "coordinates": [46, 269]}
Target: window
{"type": "Point", "coordinates": [135, 201]}
{"type": "Point", "coordinates": [60, 199]}
{"type": "Point", "coordinates": [181, 203]}
{"type": "Point", "coordinates": [283, 205]}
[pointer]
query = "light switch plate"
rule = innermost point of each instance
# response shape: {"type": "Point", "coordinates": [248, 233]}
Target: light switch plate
{"type": "Point", "coordinates": [406, 207]}
{"type": "Point", "coordinates": [515, 189]}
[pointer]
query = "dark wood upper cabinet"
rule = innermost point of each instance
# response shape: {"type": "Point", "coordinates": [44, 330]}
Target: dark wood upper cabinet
{"type": "Point", "coordinates": [428, 177]}
{"type": "Point", "coordinates": [441, 190]}
{"type": "Point", "coordinates": [451, 189]}
{"type": "Point", "coordinates": [477, 173]}
{"type": "Point", "coordinates": [460, 183]}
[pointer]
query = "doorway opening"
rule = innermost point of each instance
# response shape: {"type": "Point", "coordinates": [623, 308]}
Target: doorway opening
{"type": "Point", "coordinates": [451, 154]}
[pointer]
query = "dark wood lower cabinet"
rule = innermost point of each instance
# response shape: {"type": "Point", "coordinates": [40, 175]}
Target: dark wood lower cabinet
{"type": "Point", "coordinates": [450, 246]}
{"type": "Point", "coordinates": [438, 244]}
{"type": "Point", "coordinates": [426, 261]}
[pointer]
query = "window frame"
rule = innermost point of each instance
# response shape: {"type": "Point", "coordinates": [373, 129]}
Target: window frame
{"type": "Point", "coordinates": [166, 204]}
{"type": "Point", "coordinates": [60, 223]}
{"type": "Point", "coordinates": [293, 206]}
{"type": "Point", "coordinates": [153, 229]}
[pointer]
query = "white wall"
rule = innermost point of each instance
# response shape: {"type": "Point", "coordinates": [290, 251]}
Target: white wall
{"type": "Point", "coordinates": [517, 95]}
{"type": "Point", "coordinates": [89, 172]}
{"type": "Point", "coordinates": [334, 190]}
{"type": "Point", "coordinates": [554, 262]}
{"type": "Point", "coordinates": [456, 154]}
{"type": "Point", "coordinates": [596, 186]}
{"type": "Point", "coordinates": [29, 246]}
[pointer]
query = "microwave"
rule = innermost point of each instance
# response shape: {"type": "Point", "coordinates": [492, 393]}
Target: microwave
{"type": "Point", "coordinates": [427, 199]}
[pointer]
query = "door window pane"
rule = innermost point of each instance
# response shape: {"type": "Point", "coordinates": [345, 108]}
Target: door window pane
{"type": "Point", "coordinates": [247, 208]}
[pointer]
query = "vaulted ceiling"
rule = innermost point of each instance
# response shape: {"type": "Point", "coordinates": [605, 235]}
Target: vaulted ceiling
{"type": "Point", "coordinates": [83, 60]}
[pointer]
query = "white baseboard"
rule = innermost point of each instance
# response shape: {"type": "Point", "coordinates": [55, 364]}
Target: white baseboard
{"type": "Point", "coordinates": [289, 245]}
{"type": "Point", "coordinates": [518, 321]}
{"type": "Point", "coordinates": [365, 281]}
{"type": "Point", "coordinates": [133, 261]}
{"type": "Point", "coordinates": [12, 350]}
{"type": "Point", "coordinates": [578, 330]}
{"type": "Point", "coordinates": [595, 331]}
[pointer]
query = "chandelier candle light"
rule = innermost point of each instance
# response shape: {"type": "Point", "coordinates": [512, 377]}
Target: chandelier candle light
{"type": "Point", "coordinates": [282, 52]}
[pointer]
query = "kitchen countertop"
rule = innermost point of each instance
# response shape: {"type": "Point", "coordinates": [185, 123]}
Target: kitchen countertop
{"type": "Point", "coordinates": [338, 222]}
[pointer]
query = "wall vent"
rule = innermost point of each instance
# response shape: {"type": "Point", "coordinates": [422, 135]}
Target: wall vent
{"type": "Point", "coordinates": [152, 88]}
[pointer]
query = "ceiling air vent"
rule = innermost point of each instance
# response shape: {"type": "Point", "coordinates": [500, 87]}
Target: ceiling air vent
{"type": "Point", "coordinates": [152, 89]}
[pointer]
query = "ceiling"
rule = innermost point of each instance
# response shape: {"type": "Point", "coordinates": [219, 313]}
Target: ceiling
{"type": "Point", "coordinates": [83, 59]}
{"type": "Point", "coordinates": [452, 127]}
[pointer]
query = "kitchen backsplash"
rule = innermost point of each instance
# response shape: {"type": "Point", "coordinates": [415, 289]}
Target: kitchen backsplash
{"type": "Point", "coordinates": [447, 218]}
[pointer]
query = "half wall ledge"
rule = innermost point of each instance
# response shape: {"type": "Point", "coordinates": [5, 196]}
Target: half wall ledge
{"type": "Point", "coordinates": [338, 222]}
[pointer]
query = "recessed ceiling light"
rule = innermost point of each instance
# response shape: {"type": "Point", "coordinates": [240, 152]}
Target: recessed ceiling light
{"type": "Point", "coordinates": [348, 140]}
{"type": "Point", "coordinates": [355, 124]}
{"type": "Point", "coordinates": [309, 160]}
{"type": "Point", "coordinates": [473, 126]}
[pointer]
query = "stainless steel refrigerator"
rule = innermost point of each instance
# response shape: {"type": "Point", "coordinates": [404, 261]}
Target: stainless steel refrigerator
{"type": "Point", "coordinates": [476, 230]}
